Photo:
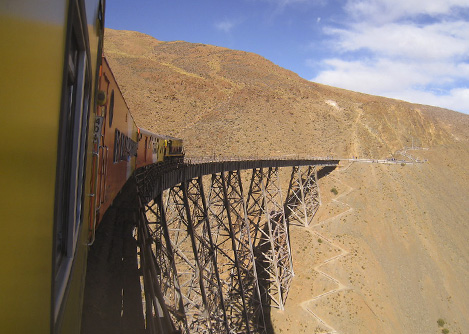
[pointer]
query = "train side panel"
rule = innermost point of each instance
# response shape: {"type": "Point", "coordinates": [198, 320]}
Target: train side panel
{"type": "Point", "coordinates": [29, 103]}
{"type": "Point", "coordinates": [146, 147]}
{"type": "Point", "coordinates": [43, 249]}
{"type": "Point", "coordinates": [150, 148]}
{"type": "Point", "coordinates": [67, 318]}
{"type": "Point", "coordinates": [118, 143]}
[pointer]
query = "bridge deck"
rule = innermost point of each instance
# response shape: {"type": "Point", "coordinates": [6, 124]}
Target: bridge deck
{"type": "Point", "coordinates": [167, 176]}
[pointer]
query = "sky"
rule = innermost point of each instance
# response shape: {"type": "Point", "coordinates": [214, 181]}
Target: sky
{"type": "Point", "coordinates": [412, 50]}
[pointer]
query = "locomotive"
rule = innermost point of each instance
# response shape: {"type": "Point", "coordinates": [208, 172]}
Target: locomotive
{"type": "Point", "coordinates": [69, 145]}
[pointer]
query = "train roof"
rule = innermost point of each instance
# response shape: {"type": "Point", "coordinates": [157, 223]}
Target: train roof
{"type": "Point", "coordinates": [149, 133]}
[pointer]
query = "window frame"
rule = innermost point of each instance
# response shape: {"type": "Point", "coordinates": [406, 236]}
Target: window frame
{"type": "Point", "coordinates": [71, 158]}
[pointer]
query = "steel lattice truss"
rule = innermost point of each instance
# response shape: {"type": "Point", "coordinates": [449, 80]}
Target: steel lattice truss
{"type": "Point", "coordinates": [158, 318]}
{"type": "Point", "coordinates": [183, 243]}
{"type": "Point", "coordinates": [215, 258]}
{"type": "Point", "coordinates": [235, 258]}
{"type": "Point", "coordinates": [163, 255]}
{"type": "Point", "coordinates": [204, 250]}
{"type": "Point", "coordinates": [303, 198]}
{"type": "Point", "coordinates": [270, 234]}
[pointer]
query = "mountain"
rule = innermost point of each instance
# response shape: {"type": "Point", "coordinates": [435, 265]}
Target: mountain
{"type": "Point", "coordinates": [397, 234]}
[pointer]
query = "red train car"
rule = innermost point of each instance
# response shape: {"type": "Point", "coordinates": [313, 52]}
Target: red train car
{"type": "Point", "coordinates": [121, 146]}
{"type": "Point", "coordinates": [115, 141]}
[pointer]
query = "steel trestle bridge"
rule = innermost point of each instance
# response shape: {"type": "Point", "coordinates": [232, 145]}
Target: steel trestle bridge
{"type": "Point", "coordinates": [214, 242]}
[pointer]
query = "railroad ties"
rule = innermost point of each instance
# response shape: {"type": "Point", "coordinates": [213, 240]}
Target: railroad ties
{"type": "Point", "coordinates": [214, 244]}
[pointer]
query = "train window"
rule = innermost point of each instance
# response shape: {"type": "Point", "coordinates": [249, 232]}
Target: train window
{"type": "Point", "coordinates": [72, 153]}
{"type": "Point", "coordinates": [111, 108]}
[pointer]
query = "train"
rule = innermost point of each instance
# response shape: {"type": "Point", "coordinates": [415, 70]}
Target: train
{"type": "Point", "coordinates": [120, 146]}
{"type": "Point", "coordinates": [69, 145]}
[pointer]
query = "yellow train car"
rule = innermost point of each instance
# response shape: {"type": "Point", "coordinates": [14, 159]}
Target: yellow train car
{"type": "Point", "coordinates": [155, 148]}
{"type": "Point", "coordinates": [49, 65]}
{"type": "Point", "coordinates": [175, 148]}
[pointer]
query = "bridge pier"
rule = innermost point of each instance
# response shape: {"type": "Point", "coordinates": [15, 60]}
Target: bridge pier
{"type": "Point", "coordinates": [270, 235]}
{"type": "Point", "coordinates": [164, 256]}
{"type": "Point", "coordinates": [158, 319]}
{"type": "Point", "coordinates": [303, 199]}
{"type": "Point", "coordinates": [204, 251]}
{"type": "Point", "coordinates": [186, 250]}
{"type": "Point", "coordinates": [227, 207]}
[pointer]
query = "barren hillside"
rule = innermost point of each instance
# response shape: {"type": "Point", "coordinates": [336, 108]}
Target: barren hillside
{"type": "Point", "coordinates": [397, 235]}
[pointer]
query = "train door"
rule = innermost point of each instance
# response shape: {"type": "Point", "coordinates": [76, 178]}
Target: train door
{"type": "Point", "coordinates": [105, 111]}
{"type": "Point", "coordinates": [154, 150]}
{"type": "Point", "coordinates": [161, 149]}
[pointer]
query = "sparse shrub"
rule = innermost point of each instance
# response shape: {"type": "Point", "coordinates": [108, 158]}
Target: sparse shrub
{"type": "Point", "coordinates": [402, 164]}
{"type": "Point", "coordinates": [440, 322]}
{"type": "Point", "coordinates": [334, 191]}
{"type": "Point", "coordinates": [445, 330]}
{"type": "Point", "coordinates": [320, 240]}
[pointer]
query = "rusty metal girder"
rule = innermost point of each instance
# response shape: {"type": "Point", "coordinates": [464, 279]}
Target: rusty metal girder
{"type": "Point", "coordinates": [204, 251]}
{"type": "Point", "coordinates": [160, 177]}
{"type": "Point", "coordinates": [269, 232]}
{"type": "Point", "coordinates": [235, 258]}
{"type": "Point", "coordinates": [158, 319]}
{"type": "Point", "coordinates": [303, 197]}
{"type": "Point", "coordinates": [181, 237]}
{"type": "Point", "coordinates": [162, 256]}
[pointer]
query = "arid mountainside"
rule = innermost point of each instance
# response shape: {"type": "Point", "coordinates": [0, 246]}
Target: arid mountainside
{"type": "Point", "coordinates": [397, 237]}
{"type": "Point", "coordinates": [198, 92]}
{"type": "Point", "coordinates": [388, 251]}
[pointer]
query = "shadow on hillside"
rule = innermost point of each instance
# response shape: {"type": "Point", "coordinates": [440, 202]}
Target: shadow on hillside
{"type": "Point", "coordinates": [263, 278]}
{"type": "Point", "coordinates": [326, 171]}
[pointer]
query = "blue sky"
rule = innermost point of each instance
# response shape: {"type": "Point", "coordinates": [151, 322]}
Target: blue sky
{"type": "Point", "coordinates": [413, 50]}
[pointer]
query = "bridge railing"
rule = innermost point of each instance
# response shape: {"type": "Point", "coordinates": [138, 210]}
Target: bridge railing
{"type": "Point", "coordinates": [194, 160]}
{"type": "Point", "coordinates": [198, 160]}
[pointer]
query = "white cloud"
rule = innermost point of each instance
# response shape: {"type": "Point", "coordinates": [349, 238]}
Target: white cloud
{"type": "Point", "coordinates": [433, 41]}
{"type": "Point", "coordinates": [371, 76]}
{"type": "Point", "coordinates": [226, 25]}
{"type": "Point", "coordinates": [392, 51]}
{"type": "Point", "coordinates": [391, 10]}
{"type": "Point", "coordinates": [397, 80]}
{"type": "Point", "coordinates": [456, 99]}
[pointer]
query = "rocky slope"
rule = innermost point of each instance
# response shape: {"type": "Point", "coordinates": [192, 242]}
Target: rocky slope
{"type": "Point", "coordinates": [398, 239]}
{"type": "Point", "coordinates": [397, 234]}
